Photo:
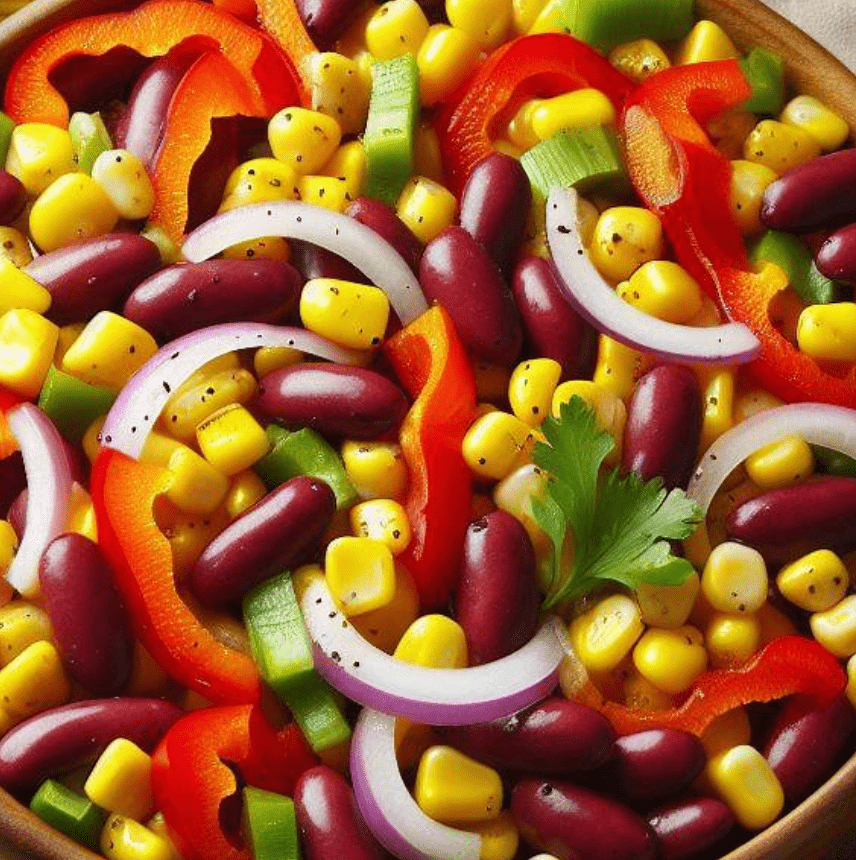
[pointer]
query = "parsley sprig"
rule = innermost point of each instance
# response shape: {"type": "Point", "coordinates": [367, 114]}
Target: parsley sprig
{"type": "Point", "coordinates": [621, 526]}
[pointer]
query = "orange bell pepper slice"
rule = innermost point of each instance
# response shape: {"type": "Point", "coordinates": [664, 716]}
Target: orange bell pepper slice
{"type": "Point", "coordinates": [282, 20]}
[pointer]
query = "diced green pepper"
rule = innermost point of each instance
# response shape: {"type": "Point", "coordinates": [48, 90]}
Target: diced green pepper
{"type": "Point", "coordinates": [834, 462]}
{"type": "Point", "coordinates": [89, 138]}
{"type": "Point", "coordinates": [73, 404]}
{"type": "Point", "coordinates": [270, 825]}
{"type": "Point", "coordinates": [7, 126]}
{"type": "Point", "coordinates": [317, 709]}
{"type": "Point", "coordinates": [69, 812]}
{"type": "Point", "coordinates": [765, 72]}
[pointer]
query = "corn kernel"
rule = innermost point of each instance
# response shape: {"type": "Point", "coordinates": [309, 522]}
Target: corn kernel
{"type": "Point", "coordinates": [38, 154]}
{"type": "Point", "coordinates": [814, 117]}
{"type": "Point", "coordinates": [376, 469]}
{"type": "Point", "coordinates": [8, 545]}
{"type": "Point", "coordinates": [774, 624]}
{"type": "Point", "coordinates": [27, 342]}
{"type": "Point", "coordinates": [639, 59]}
{"type": "Point", "coordinates": [348, 164]}
{"type": "Point", "coordinates": [338, 90]}
{"type": "Point", "coordinates": [398, 27]}
{"type": "Point", "coordinates": [232, 440]}
{"type": "Point", "coordinates": [524, 13]}
{"type": "Point", "coordinates": [828, 332]}
{"type": "Point", "coordinates": [329, 192]}
{"type": "Point", "coordinates": [619, 367]}
{"type": "Point", "coordinates": [81, 514]}
{"type": "Point", "coordinates": [493, 444]}
{"type": "Point", "coordinates": [664, 290]}
{"type": "Point", "coordinates": [123, 177]}
{"type": "Point", "coordinates": [20, 290]}
{"type": "Point", "coordinates": [747, 785]}
{"type": "Point", "coordinates": [427, 160]}
{"type": "Point", "coordinates": [499, 837]}
{"type": "Point", "coordinates": [267, 359]}
{"type": "Point", "coordinates": [754, 402]}
{"type": "Point", "coordinates": [625, 237]}
{"type": "Point", "coordinates": [815, 582]}
{"type": "Point", "coordinates": [718, 401]}
{"type": "Point", "coordinates": [485, 21]}
{"type": "Point", "coordinates": [435, 641]}
{"type": "Point", "coordinates": [671, 659]}
{"type": "Point", "coordinates": [445, 59]}
{"type": "Point", "coordinates": [780, 464]}
{"type": "Point", "coordinates": [735, 579]}
{"type": "Point", "coordinates": [850, 690]}
{"type": "Point", "coordinates": [749, 181]}
{"type": "Point", "coordinates": [728, 730]}
{"type": "Point", "coordinates": [551, 19]}
{"type": "Point", "coordinates": [453, 788]}
{"type": "Point", "coordinates": [607, 632]}
{"type": "Point", "coordinates": [126, 839]}
{"type": "Point", "coordinates": [531, 389]}
{"type": "Point", "coordinates": [15, 247]}
{"type": "Point", "coordinates": [157, 824]}
{"type": "Point", "coordinates": [21, 624]}
{"type": "Point", "coordinates": [384, 520]}
{"type": "Point", "coordinates": [360, 573]}
{"type": "Point", "coordinates": [33, 681]}
{"type": "Point", "coordinates": [303, 139]}
{"type": "Point", "coordinates": [576, 109]}
{"type": "Point", "coordinates": [514, 495]}
{"type": "Point", "coordinates": [68, 334]}
{"type": "Point", "coordinates": [426, 208]}
{"type": "Point", "coordinates": [835, 628]}
{"type": "Point", "coordinates": [780, 147]}
{"type": "Point", "coordinates": [246, 489]}
{"type": "Point", "coordinates": [353, 315]}
{"type": "Point", "coordinates": [188, 534]}
{"type": "Point", "coordinates": [385, 626]}
{"type": "Point", "coordinates": [610, 413]}
{"type": "Point", "coordinates": [121, 780]}
{"type": "Point", "coordinates": [667, 606]}
{"type": "Point", "coordinates": [641, 695]}
{"type": "Point", "coordinates": [520, 131]}
{"type": "Point", "coordinates": [732, 639]}
{"type": "Point", "coordinates": [704, 43]}
{"type": "Point", "coordinates": [195, 485]}
{"type": "Point", "coordinates": [91, 442]}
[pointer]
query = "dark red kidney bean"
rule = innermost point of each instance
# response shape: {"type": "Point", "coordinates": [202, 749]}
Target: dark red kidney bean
{"type": "Point", "coordinates": [553, 328]}
{"type": "Point", "coordinates": [807, 743]}
{"type": "Point", "coordinates": [836, 257]}
{"type": "Point", "coordinates": [17, 514]}
{"type": "Point", "coordinates": [460, 274]}
{"type": "Point", "coordinates": [781, 524]}
{"type": "Point", "coordinates": [575, 823]}
{"type": "Point", "coordinates": [688, 827]}
{"type": "Point", "coordinates": [62, 739]}
{"type": "Point", "coordinates": [338, 401]}
{"type": "Point", "coordinates": [497, 598]}
{"type": "Point", "coordinates": [13, 481]}
{"type": "Point", "coordinates": [94, 275]}
{"type": "Point", "coordinates": [326, 20]}
{"type": "Point", "coordinates": [383, 220]}
{"type": "Point", "coordinates": [211, 170]}
{"type": "Point", "coordinates": [331, 827]}
{"type": "Point", "coordinates": [494, 206]}
{"type": "Point", "coordinates": [91, 627]}
{"type": "Point", "coordinates": [188, 296]}
{"type": "Point", "coordinates": [664, 425]}
{"type": "Point", "coordinates": [554, 738]}
{"type": "Point", "coordinates": [313, 261]}
{"type": "Point", "coordinates": [13, 197]}
{"type": "Point", "coordinates": [820, 193]}
{"type": "Point", "coordinates": [279, 531]}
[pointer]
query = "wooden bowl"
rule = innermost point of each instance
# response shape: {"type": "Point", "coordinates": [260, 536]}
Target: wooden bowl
{"type": "Point", "coordinates": [814, 827]}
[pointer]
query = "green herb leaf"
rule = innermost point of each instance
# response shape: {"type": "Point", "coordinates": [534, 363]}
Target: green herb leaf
{"type": "Point", "coordinates": [620, 529]}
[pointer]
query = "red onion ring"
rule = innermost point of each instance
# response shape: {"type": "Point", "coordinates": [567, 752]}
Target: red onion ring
{"type": "Point", "coordinates": [732, 343]}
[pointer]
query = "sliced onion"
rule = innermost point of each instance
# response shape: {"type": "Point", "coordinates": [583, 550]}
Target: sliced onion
{"type": "Point", "coordinates": [817, 423]}
{"type": "Point", "coordinates": [732, 343]}
{"type": "Point", "coordinates": [345, 236]}
{"type": "Point", "coordinates": [391, 813]}
{"type": "Point", "coordinates": [48, 474]}
{"type": "Point", "coordinates": [439, 697]}
{"type": "Point", "coordinates": [138, 405]}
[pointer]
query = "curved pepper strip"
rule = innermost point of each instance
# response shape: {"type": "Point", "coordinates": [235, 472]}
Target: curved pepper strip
{"type": "Point", "coordinates": [432, 364]}
{"type": "Point", "coordinates": [151, 29]}
{"type": "Point", "coordinates": [192, 775]}
{"type": "Point", "coordinates": [281, 18]}
{"type": "Point", "coordinates": [123, 493]}
{"type": "Point", "coordinates": [545, 64]}
{"type": "Point", "coordinates": [788, 665]}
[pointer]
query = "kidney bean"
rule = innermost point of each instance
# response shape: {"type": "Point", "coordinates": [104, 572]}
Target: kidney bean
{"type": "Point", "coordinates": [17, 514]}
{"type": "Point", "coordinates": [497, 597]}
{"type": "Point", "coordinates": [313, 261]}
{"type": "Point", "coordinates": [383, 220]}
{"type": "Point", "coordinates": [820, 193]}
{"type": "Point", "coordinates": [188, 296]}
{"type": "Point", "coordinates": [13, 481]}
{"type": "Point", "coordinates": [494, 207]}
{"type": "Point", "coordinates": [326, 20]}
{"type": "Point", "coordinates": [90, 625]}
{"type": "Point", "coordinates": [211, 170]}
{"type": "Point", "coordinates": [783, 524]}
{"type": "Point", "coordinates": [573, 822]}
{"type": "Point", "coordinates": [338, 401]}
{"type": "Point", "coordinates": [807, 743]}
{"type": "Point", "coordinates": [553, 328]}
{"type": "Point", "coordinates": [836, 257]}
{"type": "Point", "coordinates": [664, 425]}
{"type": "Point", "coordinates": [13, 197]}
{"type": "Point", "coordinates": [457, 272]}
{"type": "Point", "coordinates": [554, 738]}
{"type": "Point", "coordinates": [279, 531]}
{"type": "Point", "coordinates": [62, 739]}
{"type": "Point", "coordinates": [331, 827]}
{"type": "Point", "coordinates": [94, 275]}
{"type": "Point", "coordinates": [686, 828]}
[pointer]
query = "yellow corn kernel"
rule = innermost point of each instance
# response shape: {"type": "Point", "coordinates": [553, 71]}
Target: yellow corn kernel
{"type": "Point", "coordinates": [125, 839]}
{"type": "Point", "coordinates": [835, 628]}
{"type": "Point", "coordinates": [625, 237]}
{"type": "Point", "coordinates": [520, 131]}
{"type": "Point", "coordinates": [157, 824]}
{"type": "Point", "coordinates": [639, 59]}
{"type": "Point", "coordinates": [780, 464]}
{"type": "Point", "coordinates": [754, 402]}
{"type": "Point", "coordinates": [348, 164]}
{"type": "Point", "coordinates": [232, 440]}
{"type": "Point", "coordinates": [576, 109]}
{"type": "Point", "coordinates": [619, 367]}
{"type": "Point", "coordinates": [81, 513]}
{"type": "Point", "coordinates": [15, 246]}
{"type": "Point", "coordinates": [68, 334]}
{"type": "Point", "coordinates": [493, 444]}
{"type": "Point", "coordinates": [384, 520]}
{"type": "Point", "coordinates": [607, 632]}
{"type": "Point", "coordinates": [123, 177]}
{"type": "Point", "coordinates": [121, 780]}
{"type": "Point", "coordinates": [265, 248]}
{"type": "Point", "coordinates": [453, 788]}
{"type": "Point", "coordinates": [360, 573]}
{"type": "Point", "coordinates": [259, 180]}
{"type": "Point", "coordinates": [732, 639]}
{"type": "Point", "coordinates": [91, 442]}
{"type": "Point", "coordinates": [815, 582]}
{"type": "Point", "coordinates": [435, 641]}
{"type": "Point", "coordinates": [20, 290]}
{"type": "Point", "coordinates": [385, 626]}
{"type": "Point", "coordinates": [338, 90]}
{"type": "Point", "coordinates": [814, 117]}
{"type": "Point", "coordinates": [749, 181]}
{"type": "Point", "coordinates": [427, 160]}
{"type": "Point", "coordinates": [27, 343]}
{"type": "Point", "coordinates": [728, 730]}
{"type": "Point", "coordinates": [641, 695]}
{"type": "Point", "coordinates": [38, 154]}
{"type": "Point", "coordinates": [780, 147]}
{"type": "Point", "coordinates": [426, 208]}
{"type": "Point", "coordinates": [376, 469]}
{"type": "Point", "coordinates": [398, 27]}
{"type": "Point", "coordinates": [246, 489]}
{"type": "Point", "coordinates": [514, 495]}
{"type": "Point", "coordinates": [195, 485]}
{"type": "Point", "coordinates": [550, 19]}
{"type": "Point", "coordinates": [188, 534]}
{"type": "Point", "coordinates": [828, 332]}
{"type": "Point", "coordinates": [267, 359]}
{"type": "Point", "coordinates": [704, 43]}
{"type": "Point", "coordinates": [21, 624]}
{"type": "Point", "coordinates": [850, 690]}
{"type": "Point", "coordinates": [667, 606]}
{"type": "Point", "coordinates": [735, 579]}
{"type": "Point", "coordinates": [8, 545]}
{"type": "Point", "coordinates": [303, 139]}
{"type": "Point", "coordinates": [610, 413]}
{"type": "Point", "coordinates": [718, 400]}
{"type": "Point", "coordinates": [485, 21]}
{"type": "Point", "coordinates": [353, 315]}
{"type": "Point", "coordinates": [446, 57]}
{"type": "Point", "coordinates": [33, 681]}
{"type": "Point", "coordinates": [664, 290]}
{"type": "Point", "coordinates": [745, 782]}
{"type": "Point", "coordinates": [524, 13]}
{"type": "Point", "coordinates": [531, 389]}
{"type": "Point", "coordinates": [329, 192]}
{"type": "Point", "coordinates": [671, 659]}
{"type": "Point", "coordinates": [774, 624]}
{"type": "Point", "coordinates": [499, 837]}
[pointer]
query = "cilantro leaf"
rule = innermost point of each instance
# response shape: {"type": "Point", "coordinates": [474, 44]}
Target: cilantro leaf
{"type": "Point", "coordinates": [621, 528]}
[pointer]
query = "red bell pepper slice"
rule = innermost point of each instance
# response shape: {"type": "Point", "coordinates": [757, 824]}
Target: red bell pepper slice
{"type": "Point", "coordinates": [123, 493]}
{"type": "Point", "coordinates": [432, 364]}
{"type": "Point", "coordinates": [192, 776]}
{"type": "Point", "coordinates": [546, 64]}
{"type": "Point", "coordinates": [281, 18]}
{"type": "Point", "coordinates": [788, 665]}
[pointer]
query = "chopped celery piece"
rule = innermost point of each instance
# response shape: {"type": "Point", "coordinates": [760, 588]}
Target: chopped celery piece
{"type": "Point", "coordinates": [89, 138]}
{"type": "Point", "coordinates": [765, 72]}
{"type": "Point", "coordinates": [607, 23]}
{"type": "Point", "coordinates": [834, 462]}
{"type": "Point", "coordinates": [316, 709]}
{"type": "Point", "coordinates": [73, 404]}
{"type": "Point", "coordinates": [583, 158]}
{"type": "Point", "coordinates": [69, 812]}
{"type": "Point", "coordinates": [390, 127]}
{"type": "Point", "coordinates": [270, 825]}
{"type": "Point", "coordinates": [7, 125]}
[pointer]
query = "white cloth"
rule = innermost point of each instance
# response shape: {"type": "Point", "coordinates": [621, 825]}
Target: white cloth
{"type": "Point", "coordinates": [830, 22]}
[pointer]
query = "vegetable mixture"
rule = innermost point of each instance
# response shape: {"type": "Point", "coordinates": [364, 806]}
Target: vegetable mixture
{"type": "Point", "coordinates": [426, 430]}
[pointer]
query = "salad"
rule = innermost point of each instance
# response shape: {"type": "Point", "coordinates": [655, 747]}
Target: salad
{"type": "Point", "coordinates": [426, 431]}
